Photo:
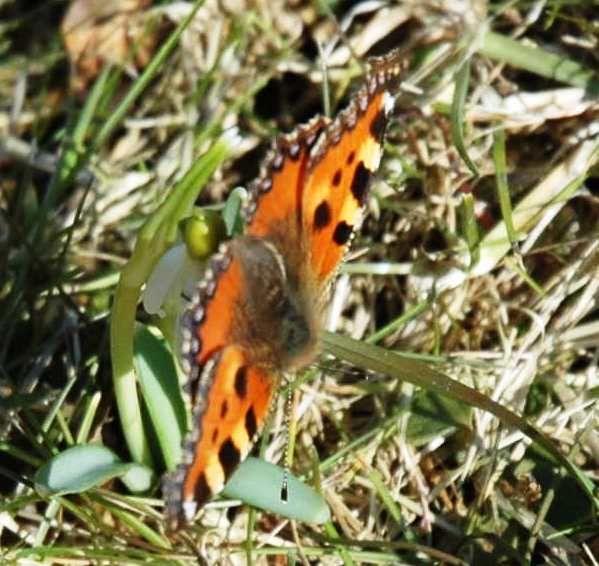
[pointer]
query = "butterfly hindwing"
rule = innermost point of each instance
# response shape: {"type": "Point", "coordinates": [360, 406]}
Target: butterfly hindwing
{"type": "Point", "coordinates": [233, 399]}
{"type": "Point", "coordinates": [208, 322]}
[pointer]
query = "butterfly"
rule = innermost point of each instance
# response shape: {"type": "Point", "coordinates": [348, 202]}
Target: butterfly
{"type": "Point", "coordinates": [256, 315]}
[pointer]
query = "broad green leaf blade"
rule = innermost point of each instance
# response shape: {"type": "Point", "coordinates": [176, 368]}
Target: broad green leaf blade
{"type": "Point", "coordinates": [78, 469]}
{"type": "Point", "coordinates": [160, 389]}
{"type": "Point", "coordinates": [259, 483]}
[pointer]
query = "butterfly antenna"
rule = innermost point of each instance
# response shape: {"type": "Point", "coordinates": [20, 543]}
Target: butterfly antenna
{"type": "Point", "coordinates": [288, 411]}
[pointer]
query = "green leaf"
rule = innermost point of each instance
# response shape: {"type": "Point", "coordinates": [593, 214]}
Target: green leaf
{"type": "Point", "coordinates": [259, 483]}
{"type": "Point", "coordinates": [80, 468]}
{"type": "Point", "coordinates": [160, 389]}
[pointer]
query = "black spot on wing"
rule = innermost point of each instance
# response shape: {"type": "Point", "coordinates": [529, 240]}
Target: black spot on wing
{"type": "Point", "coordinates": [241, 382]}
{"type": "Point", "coordinates": [251, 426]}
{"type": "Point", "coordinates": [351, 157]}
{"type": "Point", "coordinates": [229, 457]}
{"type": "Point", "coordinates": [322, 215]}
{"type": "Point", "coordinates": [224, 409]}
{"type": "Point", "coordinates": [378, 125]}
{"type": "Point", "coordinates": [214, 436]}
{"type": "Point", "coordinates": [202, 491]}
{"type": "Point", "coordinates": [359, 184]}
{"type": "Point", "coordinates": [342, 233]}
{"type": "Point", "coordinates": [337, 178]}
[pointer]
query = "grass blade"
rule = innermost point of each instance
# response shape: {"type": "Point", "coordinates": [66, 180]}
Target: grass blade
{"type": "Point", "coordinates": [457, 114]}
{"type": "Point", "coordinates": [539, 61]}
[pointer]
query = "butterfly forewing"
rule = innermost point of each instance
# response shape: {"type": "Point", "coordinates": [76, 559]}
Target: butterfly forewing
{"type": "Point", "coordinates": [338, 180]}
{"type": "Point", "coordinates": [276, 196]}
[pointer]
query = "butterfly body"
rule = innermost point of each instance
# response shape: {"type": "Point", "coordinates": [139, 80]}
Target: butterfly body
{"type": "Point", "coordinates": [257, 313]}
{"type": "Point", "coordinates": [276, 321]}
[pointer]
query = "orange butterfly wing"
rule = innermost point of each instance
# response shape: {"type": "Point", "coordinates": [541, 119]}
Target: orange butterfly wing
{"type": "Point", "coordinates": [276, 195]}
{"type": "Point", "coordinates": [235, 398]}
{"type": "Point", "coordinates": [340, 170]}
{"type": "Point", "coordinates": [319, 192]}
{"type": "Point", "coordinates": [220, 289]}
{"type": "Point", "coordinates": [231, 397]}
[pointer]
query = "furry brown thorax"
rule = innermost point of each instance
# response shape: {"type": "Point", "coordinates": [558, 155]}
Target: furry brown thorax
{"type": "Point", "coordinates": [279, 320]}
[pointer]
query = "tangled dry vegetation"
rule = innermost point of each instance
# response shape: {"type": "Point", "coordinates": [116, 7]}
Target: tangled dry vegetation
{"type": "Point", "coordinates": [506, 305]}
